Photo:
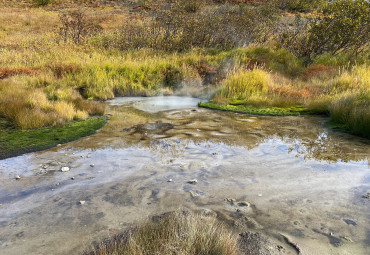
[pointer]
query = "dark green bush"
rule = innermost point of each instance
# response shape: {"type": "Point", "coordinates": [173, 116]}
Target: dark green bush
{"type": "Point", "coordinates": [223, 27]}
{"type": "Point", "coordinates": [300, 5]}
{"type": "Point", "coordinates": [76, 26]}
{"type": "Point", "coordinates": [190, 5]}
{"type": "Point", "coordinates": [343, 26]}
{"type": "Point", "coordinates": [42, 2]}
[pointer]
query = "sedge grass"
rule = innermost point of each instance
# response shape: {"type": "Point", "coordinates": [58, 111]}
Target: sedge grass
{"type": "Point", "coordinates": [179, 232]}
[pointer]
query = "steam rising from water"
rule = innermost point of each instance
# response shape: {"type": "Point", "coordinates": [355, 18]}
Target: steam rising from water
{"type": "Point", "coordinates": [157, 104]}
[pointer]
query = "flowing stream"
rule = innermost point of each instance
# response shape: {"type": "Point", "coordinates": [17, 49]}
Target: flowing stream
{"type": "Point", "coordinates": [295, 179]}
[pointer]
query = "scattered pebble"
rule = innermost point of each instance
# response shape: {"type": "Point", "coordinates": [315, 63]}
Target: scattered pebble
{"type": "Point", "coordinates": [260, 195]}
{"type": "Point", "coordinates": [88, 156]}
{"type": "Point", "coordinates": [231, 200]}
{"type": "Point", "coordinates": [82, 202]}
{"type": "Point", "coordinates": [193, 195]}
{"type": "Point", "coordinates": [65, 169]}
{"type": "Point", "coordinates": [72, 178]}
{"type": "Point", "coordinates": [347, 238]}
{"type": "Point", "coordinates": [243, 203]}
{"type": "Point", "coordinates": [57, 184]}
{"type": "Point", "coordinates": [17, 177]}
{"type": "Point", "coordinates": [58, 145]}
{"type": "Point", "coordinates": [92, 165]}
{"type": "Point", "coordinates": [193, 181]}
{"type": "Point", "coordinates": [170, 180]}
{"type": "Point", "coordinates": [366, 196]}
{"type": "Point", "coordinates": [331, 234]}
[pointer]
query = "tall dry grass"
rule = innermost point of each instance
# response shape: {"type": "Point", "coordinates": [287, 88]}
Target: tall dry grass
{"type": "Point", "coordinates": [31, 108]}
{"type": "Point", "coordinates": [245, 84]}
{"type": "Point", "coordinates": [352, 109]}
{"type": "Point", "coordinates": [180, 232]}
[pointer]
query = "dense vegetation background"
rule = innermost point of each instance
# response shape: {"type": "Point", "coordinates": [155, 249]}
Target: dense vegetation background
{"type": "Point", "coordinates": [59, 58]}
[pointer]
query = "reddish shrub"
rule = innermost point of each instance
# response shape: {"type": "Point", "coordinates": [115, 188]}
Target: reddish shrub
{"type": "Point", "coordinates": [319, 71]}
{"type": "Point", "coordinates": [61, 69]}
{"type": "Point", "coordinates": [8, 72]}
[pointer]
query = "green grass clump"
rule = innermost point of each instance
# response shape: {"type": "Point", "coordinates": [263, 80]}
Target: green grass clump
{"type": "Point", "coordinates": [42, 2]}
{"type": "Point", "coordinates": [14, 141]}
{"type": "Point", "coordinates": [180, 232]}
{"type": "Point", "coordinates": [250, 109]}
{"type": "Point", "coordinates": [351, 111]}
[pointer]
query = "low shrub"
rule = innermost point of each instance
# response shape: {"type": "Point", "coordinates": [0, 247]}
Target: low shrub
{"type": "Point", "coordinates": [42, 2]}
{"type": "Point", "coordinates": [182, 28]}
{"type": "Point", "coordinates": [349, 31]}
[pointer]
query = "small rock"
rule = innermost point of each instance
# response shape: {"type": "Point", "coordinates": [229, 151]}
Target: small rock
{"type": "Point", "coordinates": [57, 184]}
{"type": "Point", "coordinates": [17, 177]}
{"type": "Point", "coordinates": [88, 156]}
{"type": "Point", "coordinates": [331, 234]}
{"type": "Point", "coordinates": [92, 165]}
{"type": "Point", "coordinates": [214, 153]}
{"type": "Point", "coordinates": [366, 196]}
{"type": "Point", "coordinates": [193, 195]}
{"type": "Point", "coordinates": [230, 200]}
{"type": "Point", "coordinates": [169, 180]}
{"type": "Point", "coordinates": [72, 178]}
{"type": "Point", "coordinates": [243, 203]}
{"type": "Point", "coordinates": [82, 202]}
{"type": "Point", "coordinates": [58, 145]}
{"type": "Point", "coordinates": [193, 181]}
{"type": "Point", "coordinates": [65, 169]}
{"type": "Point", "coordinates": [260, 195]}
{"type": "Point", "coordinates": [347, 238]}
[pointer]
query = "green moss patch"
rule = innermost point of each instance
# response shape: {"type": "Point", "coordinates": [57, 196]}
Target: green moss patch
{"type": "Point", "coordinates": [267, 111]}
{"type": "Point", "coordinates": [14, 141]}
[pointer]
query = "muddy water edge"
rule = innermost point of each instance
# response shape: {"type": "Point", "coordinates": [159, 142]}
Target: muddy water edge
{"type": "Point", "coordinates": [287, 178]}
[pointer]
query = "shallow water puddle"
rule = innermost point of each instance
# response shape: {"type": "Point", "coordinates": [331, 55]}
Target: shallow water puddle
{"type": "Point", "coordinates": [275, 175]}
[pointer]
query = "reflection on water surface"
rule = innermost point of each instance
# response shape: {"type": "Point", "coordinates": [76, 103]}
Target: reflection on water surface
{"type": "Point", "coordinates": [301, 179]}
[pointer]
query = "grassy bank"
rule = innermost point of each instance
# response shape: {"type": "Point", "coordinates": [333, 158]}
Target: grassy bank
{"type": "Point", "coordinates": [342, 94]}
{"type": "Point", "coordinates": [264, 111]}
{"type": "Point", "coordinates": [14, 141]}
{"type": "Point", "coordinates": [58, 59]}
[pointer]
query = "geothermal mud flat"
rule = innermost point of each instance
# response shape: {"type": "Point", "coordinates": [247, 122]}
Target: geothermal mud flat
{"type": "Point", "coordinates": [284, 177]}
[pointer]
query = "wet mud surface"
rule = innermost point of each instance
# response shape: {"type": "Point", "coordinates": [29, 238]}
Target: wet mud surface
{"type": "Point", "coordinates": [285, 181]}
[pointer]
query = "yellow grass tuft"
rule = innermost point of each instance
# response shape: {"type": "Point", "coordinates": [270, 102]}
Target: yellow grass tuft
{"type": "Point", "coordinates": [181, 232]}
{"type": "Point", "coordinates": [65, 110]}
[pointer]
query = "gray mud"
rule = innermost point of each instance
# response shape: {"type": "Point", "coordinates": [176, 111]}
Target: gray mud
{"type": "Point", "coordinates": [281, 180]}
